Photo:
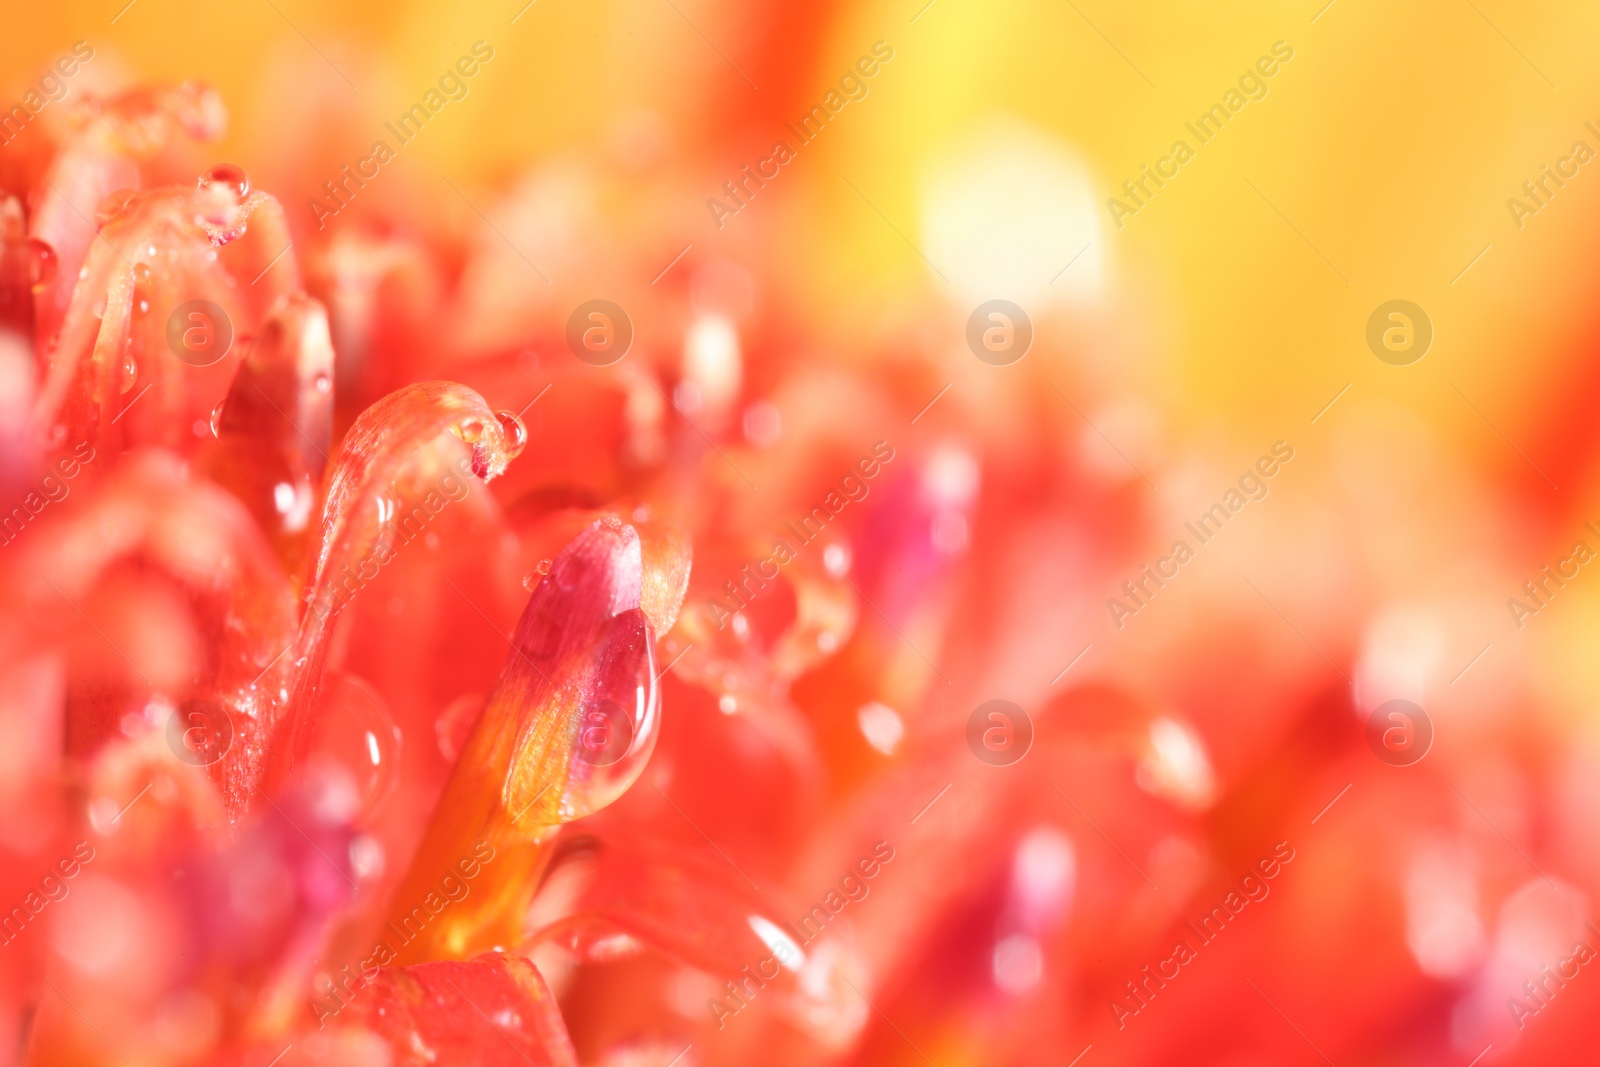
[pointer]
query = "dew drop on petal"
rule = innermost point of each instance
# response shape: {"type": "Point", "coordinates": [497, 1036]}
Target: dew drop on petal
{"type": "Point", "coordinates": [216, 418]}
{"type": "Point", "coordinates": [129, 371]}
{"type": "Point", "coordinates": [229, 176]}
{"type": "Point", "coordinates": [620, 719]}
{"type": "Point", "coordinates": [41, 264]}
{"type": "Point", "coordinates": [113, 204]}
{"type": "Point", "coordinates": [356, 734]}
{"type": "Point", "coordinates": [531, 579]}
{"type": "Point", "coordinates": [515, 432]}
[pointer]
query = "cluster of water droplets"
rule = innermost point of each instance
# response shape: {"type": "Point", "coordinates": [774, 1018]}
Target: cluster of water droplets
{"type": "Point", "coordinates": [223, 202]}
{"type": "Point", "coordinates": [475, 431]}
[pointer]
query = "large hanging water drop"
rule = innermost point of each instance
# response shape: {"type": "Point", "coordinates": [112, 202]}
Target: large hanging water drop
{"type": "Point", "coordinates": [619, 720]}
{"type": "Point", "coordinates": [356, 738]}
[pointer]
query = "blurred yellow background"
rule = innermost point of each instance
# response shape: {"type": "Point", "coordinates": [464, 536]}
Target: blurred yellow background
{"type": "Point", "coordinates": [1391, 142]}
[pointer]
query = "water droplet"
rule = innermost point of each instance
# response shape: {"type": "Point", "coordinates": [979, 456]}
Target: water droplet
{"type": "Point", "coordinates": [130, 369]}
{"type": "Point", "coordinates": [357, 738]}
{"type": "Point", "coordinates": [455, 724]}
{"type": "Point", "coordinates": [516, 433]}
{"type": "Point", "coordinates": [41, 264]}
{"type": "Point", "coordinates": [480, 460]}
{"type": "Point", "coordinates": [229, 176]}
{"type": "Point", "coordinates": [469, 429]}
{"type": "Point", "coordinates": [141, 288]}
{"type": "Point", "coordinates": [617, 727]}
{"type": "Point", "coordinates": [219, 203]}
{"type": "Point", "coordinates": [112, 205]}
{"type": "Point", "coordinates": [531, 579]}
{"type": "Point", "coordinates": [216, 420]}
